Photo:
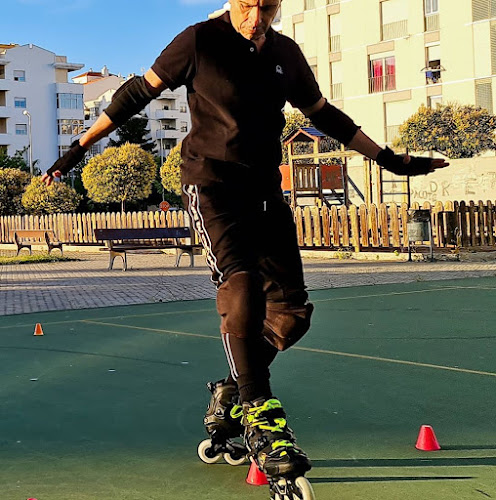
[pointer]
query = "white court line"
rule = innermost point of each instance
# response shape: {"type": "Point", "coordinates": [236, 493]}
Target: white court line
{"type": "Point", "coordinates": [310, 349]}
{"type": "Point", "coordinates": [396, 293]}
{"type": "Point", "coordinates": [156, 330]}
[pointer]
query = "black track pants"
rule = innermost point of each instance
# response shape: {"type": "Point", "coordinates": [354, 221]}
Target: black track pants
{"type": "Point", "coordinates": [251, 247]}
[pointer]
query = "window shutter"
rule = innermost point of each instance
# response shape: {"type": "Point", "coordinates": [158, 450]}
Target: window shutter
{"type": "Point", "coordinates": [484, 94]}
{"type": "Point", "coordinates": [493, 47]}
{"type": "Point", "coordinates": [480, 9]}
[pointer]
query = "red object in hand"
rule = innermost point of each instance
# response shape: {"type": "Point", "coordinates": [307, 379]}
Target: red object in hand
{"type": "Point", "coordinates": [57, 174]}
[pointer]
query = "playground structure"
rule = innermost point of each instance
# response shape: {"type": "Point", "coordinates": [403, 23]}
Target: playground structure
{"type": "Point", "coordinates": [306, 176]}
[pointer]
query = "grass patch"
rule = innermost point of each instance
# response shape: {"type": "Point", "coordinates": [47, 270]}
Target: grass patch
{"type": "Point", "coordinates": [32, 259]}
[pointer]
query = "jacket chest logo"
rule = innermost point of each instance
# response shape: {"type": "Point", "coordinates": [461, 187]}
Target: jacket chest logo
{"type": "Point", "coordinates": [279, 70]}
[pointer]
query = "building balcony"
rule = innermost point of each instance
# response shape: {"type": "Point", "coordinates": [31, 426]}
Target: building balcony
{"type": "Point", "coordinates": [336, 91]}
{"type": "Point", "coordinates": [432, 22]}
{"type": "Point", "coordinates": [5, 139]}
{"type": "Point", "coordinates": [167, 134]}
{"type": "Point", "coordinates": [167, 114]}
{"type": "Point", "coordinates": [382, 83]}
{"type": "Point", "coordinates": [167, 94]}
{"type": "Point", "coordinates": [397, 29]}
{"type": "Point", "coordinates": [335, 43]}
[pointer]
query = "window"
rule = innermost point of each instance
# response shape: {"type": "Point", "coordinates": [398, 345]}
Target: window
{"type": "Point", "coordinates": [184, 126]}
{"type": "Point", "coordinates": [183, 108]}
{"type": "Point", "coordinates": [2, 72]}
{"type": "Point", "coordinates": [315, 70]}
{"type": "Point", "coordinates": [434, 100]}
{"type": "Point", "coordinates": [382, 75]}
{"type": "Point", "coordinates": [299, 34]}
{"type": "Point", "coordinates": [19, 102]}
{"type": "Point", "coordinates": [336, 80]}
{"type": "Point", "coordinates": [70, 127]}
{"type": "Point", "coordinates": [309, 4]}
{"type": "Point", "coordinates": [334, 33]}
{"type": "Point", "coordinates": [21, 129]}
{"type": "Point", "coordinates": [19, 75]}
{"type": "Point", "coordinates": [94, 113]}
{"type": "Point", "coordinates": [70, 101]}
{"type": "Point", "coordinates": [95, 150]}
{"type": "Point", "coordinates": [394, 15]}
{"type": "Point", "coordinates": [396, 113]}
{"type": "Point", "coordinates": [63, 150]}
{"type": "Point", "coordinates": [431, 7]}
{"type": "Point", "coordinates": [431, 12]}
{"type": "Point", "coordinates": [433, 66]}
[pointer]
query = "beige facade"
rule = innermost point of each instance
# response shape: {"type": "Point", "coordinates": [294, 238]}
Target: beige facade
{"type": "Point", "coordinates": [379, 60]}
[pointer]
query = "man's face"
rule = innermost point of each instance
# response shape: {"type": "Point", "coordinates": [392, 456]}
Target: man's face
{"type": "Point", "coordinates": [252, 18]}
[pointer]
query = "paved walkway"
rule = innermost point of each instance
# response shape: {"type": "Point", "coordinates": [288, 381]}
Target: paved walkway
{"type": "Point", "coordinates": [87, 283]}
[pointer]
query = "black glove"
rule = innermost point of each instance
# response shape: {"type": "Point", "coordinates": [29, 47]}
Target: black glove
{"type": "Point", "coordinates": [394, 163]}
{"type": "Point", "coordinates": [67, 162]}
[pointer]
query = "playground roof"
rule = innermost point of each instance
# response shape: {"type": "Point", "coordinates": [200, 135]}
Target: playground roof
{"type": "Point", "coordinates": [305, 134]}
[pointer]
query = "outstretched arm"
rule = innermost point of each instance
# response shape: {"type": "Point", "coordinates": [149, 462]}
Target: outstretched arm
{"type": "Point", "coordinates": [132, 97]}
{"type": "Point", "coordinates": [330, 120]}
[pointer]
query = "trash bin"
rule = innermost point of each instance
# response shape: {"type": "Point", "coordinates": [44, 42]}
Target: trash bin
{"type": "Point", "coordinates": [419, 230]}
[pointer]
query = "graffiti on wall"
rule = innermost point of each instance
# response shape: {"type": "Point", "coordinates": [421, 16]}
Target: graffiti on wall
{"type": "Point", "coordinates": [454, 183]}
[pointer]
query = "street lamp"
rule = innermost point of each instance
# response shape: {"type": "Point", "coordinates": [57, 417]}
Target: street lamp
{"type": "Point", "coordinates": [26, 112]}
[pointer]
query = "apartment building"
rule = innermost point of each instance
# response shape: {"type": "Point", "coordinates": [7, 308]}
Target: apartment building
{"type": "Point", "coordinates": [98, 89]}
{"type": "Point", "coordinates": [379, 60]}
{"type": "Point", "coordinates": [34, 90]}
{"type": "Point", "coordinates": [169, 119]}
{"type": "Point", "coordinates": [168, 115]}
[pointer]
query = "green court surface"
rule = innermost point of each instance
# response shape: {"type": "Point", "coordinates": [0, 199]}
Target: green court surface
{"type": "Point", "coordinates": [108, 404]}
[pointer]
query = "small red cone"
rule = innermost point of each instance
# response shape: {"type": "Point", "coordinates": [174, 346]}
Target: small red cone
{"type": "Point", "coordinates": [255, 476]}
{"type": "Point", "coordinates": [38, 330]}
{"type": "Point", "coordinates": [426, 440]}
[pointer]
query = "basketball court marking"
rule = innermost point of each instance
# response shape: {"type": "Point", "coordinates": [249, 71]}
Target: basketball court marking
{"type": "Point", "coordinates": [310, 349]}
{"type": "Point", "coordinates": [401, 293]}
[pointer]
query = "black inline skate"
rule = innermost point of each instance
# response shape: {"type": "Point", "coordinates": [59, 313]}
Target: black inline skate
{"type": "Point", "coordinates": [223, 424]}
{"type": "Point", "coordinates": [272, 446]}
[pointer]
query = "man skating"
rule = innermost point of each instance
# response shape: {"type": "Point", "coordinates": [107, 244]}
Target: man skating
{"type": "Point", "coordinates": [239, 74]}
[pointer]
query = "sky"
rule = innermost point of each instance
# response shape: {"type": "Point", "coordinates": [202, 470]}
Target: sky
{"type": "Point", "coordinates": [125, 35]}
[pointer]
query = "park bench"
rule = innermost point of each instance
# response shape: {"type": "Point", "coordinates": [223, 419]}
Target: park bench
{"type": "Point", "coordinates": [121, 241]}
{"type": "Point", "coordinates": [26, 238]}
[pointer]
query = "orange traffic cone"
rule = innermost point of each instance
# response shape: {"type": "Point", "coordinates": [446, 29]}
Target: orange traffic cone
{"type": "Point", "coordinates": [38, 330]}
{"type": "Point", "coordinates": [255, 476]}
{"type": "Point", "coordinates": [426, 440]}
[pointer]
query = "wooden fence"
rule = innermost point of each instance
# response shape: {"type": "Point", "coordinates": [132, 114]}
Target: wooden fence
{"type": "Point", "coordinates": [364, 228]}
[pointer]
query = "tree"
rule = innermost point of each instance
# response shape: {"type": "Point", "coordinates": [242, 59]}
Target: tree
{"type": "Point", "coordinates": [39, 199]}
{"type": "Point", "coordinates": [17, 161]}
{"type": "Point", "coordinates": [134, 131]}
{"type": "Point", "coordinates": [120, 174]}
{"type": "Point", "coordinates": [455, 130]}
{"type": "Point", "coordinates": [12, 184]}
{"type": "Point", "coordinates": [170, 172]}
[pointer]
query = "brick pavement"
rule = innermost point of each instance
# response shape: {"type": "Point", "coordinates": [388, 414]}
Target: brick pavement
{"type": "Point", "coordinates": [152, 278]}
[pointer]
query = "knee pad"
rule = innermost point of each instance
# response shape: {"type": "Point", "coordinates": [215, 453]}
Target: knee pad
{"type": "Point", "coordinates": [286, 323]}
{"type": "Point", "coordinates": [241, 304]}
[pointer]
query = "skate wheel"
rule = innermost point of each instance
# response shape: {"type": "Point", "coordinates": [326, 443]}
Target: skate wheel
{"type": "Point", "coordinates": [305, 487]}
{"type": "Point", "coordinates": [203, 449]}
{"type": "Point", "coordinates": [299, 489]}
{"type": "Point", "coordinates": [234, 461]}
